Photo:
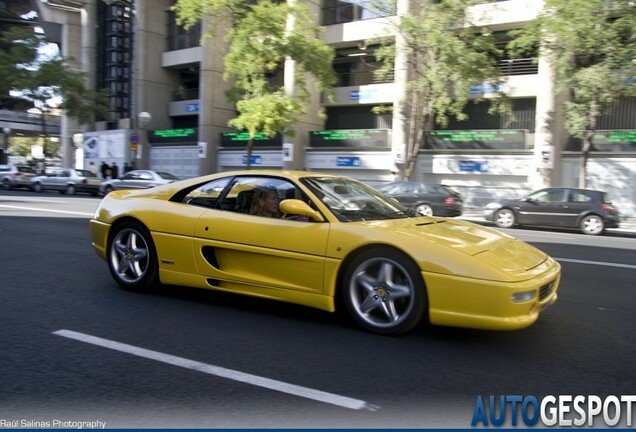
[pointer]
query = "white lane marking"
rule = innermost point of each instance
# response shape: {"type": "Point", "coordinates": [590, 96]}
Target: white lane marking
{"type": "Point", "coordinates": [271, 384]}
{"type": "Point", "coordinates": [599, 263]}
{"type": "Point", "coordinates": [45, 210]}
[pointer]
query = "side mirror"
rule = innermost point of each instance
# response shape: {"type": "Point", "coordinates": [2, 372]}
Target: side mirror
{"type": "Point", "coordinates": [298, 207]}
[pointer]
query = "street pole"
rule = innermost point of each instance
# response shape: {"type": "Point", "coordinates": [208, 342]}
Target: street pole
{"type": "Point", "coordinates": [4, 157]}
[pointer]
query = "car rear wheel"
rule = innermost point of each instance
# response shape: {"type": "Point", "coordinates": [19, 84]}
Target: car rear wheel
{"type": "Point", "coordinates": [424, 210]}
{"type": "Point", "coordinates": [108, 189]}
{"type": "Point", "coordinates": [383, 292]}
{"type": "Point", "coordinates": [6, 184]}
{"type": "Point", "coordinates": [132, 258]}
{"type": "Point", "coordinates": [505, 218]}
{"type": "Point", "coordinates": [37, 187]}
{"type": "Point", "coordinates": [592, 225]}
{"type": "Point", "coordinates": [70, 190]}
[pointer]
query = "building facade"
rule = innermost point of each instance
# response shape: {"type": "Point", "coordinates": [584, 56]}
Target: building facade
{"type": "Point", "coordinates": [175, 78]}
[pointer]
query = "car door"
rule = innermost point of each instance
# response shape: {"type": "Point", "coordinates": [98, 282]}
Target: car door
{"type": "Point", "coordinates": [145, 180]}
{"type": "Point", "coordinates": [57, 180]}
{"type": "Point", "coordinates": [545, 207]}
{"type": "Point", "coordinates": [406, 194]}
{"type": "Point", "coordinates": [257, 253]}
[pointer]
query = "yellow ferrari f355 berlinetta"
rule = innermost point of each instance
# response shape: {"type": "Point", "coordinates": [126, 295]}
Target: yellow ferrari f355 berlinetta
{"type": "Point", "coordinates": [322, 240]}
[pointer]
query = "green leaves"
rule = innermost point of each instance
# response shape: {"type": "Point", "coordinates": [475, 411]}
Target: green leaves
{"type": "Point", "coordinates": [260, 40]}
{"type": "Point", "coordinates": [38, 79]}
{"type": "Point", "coordinates": [591, 47]}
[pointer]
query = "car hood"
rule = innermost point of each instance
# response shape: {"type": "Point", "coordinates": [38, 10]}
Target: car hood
{"type": "Point", "coordinates": [495, 249]}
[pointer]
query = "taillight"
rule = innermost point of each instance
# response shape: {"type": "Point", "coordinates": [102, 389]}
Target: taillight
{"type": "Point", "coordinates": [18, 174]}
{"type": "Point", "coordinates": [449, 201]}
{"type": "Point", "coordinates": [84, 181]}
{"type": "Point", "coordinates": [608, 208]}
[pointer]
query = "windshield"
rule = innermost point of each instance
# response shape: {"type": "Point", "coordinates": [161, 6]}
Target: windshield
{"type": "Point", "coordinates": [167, 176]}
{"type": "Point", "coordinates": [352, 201]}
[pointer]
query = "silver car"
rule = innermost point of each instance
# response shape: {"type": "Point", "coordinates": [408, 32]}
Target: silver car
{"type": "Point", "coordinates": [14, 176]}
{"type": "Point", "coordinates": [67, 180]}
{"type": "Point", "coordinates": [138, 179]}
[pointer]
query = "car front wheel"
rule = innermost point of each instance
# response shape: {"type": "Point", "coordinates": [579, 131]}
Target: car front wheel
{"type": "Point", "coordinates": [6, 184]}
{"type": "Point", "coordinates": [37, 187]}
{"type": "Point", "coordinates": [505, 218]}
{"type": "Point", "coordinates": [383, 292]}
{"type": "Point", "coordinates": [70, 190]}
{"type": "Point", "coordinates": [132, 258]}
{"type": "Point", "coordinates": [592, 225]}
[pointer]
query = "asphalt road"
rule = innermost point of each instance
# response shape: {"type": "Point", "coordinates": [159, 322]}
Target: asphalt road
{"type": "Point", "coordinates": [75, 347]}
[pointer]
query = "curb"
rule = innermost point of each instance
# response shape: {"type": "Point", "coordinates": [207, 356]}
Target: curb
{"type": "Point", "coordinates": [627, 225]}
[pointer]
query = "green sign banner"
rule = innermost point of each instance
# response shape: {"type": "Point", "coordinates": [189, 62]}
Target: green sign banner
{"type": "Point", "coordinates": [240, 139]}
{"type": "Point", "coordinates": [614, 140]}
{"type": "Point", "coordinates": [494, 139]}
{"type": "Point", "coordinates": [349, 138]}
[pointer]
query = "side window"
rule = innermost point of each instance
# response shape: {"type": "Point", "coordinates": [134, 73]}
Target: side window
{"type": "Point", "coordinates": [550, 195]}
{"type": "Point", "coordinates": [207, 194]}
{"type": "Point", "coordinates": [145, 176]}
{"type": "Point", "coordinates": [580, 197]}
{"type": "Point", "coordinates": [259, 196]}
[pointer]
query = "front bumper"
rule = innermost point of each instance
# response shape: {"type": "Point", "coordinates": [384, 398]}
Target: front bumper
{"type": "Point", "coordinates": [481, 304]}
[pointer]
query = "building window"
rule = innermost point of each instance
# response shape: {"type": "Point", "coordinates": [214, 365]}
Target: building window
{"type": "Point", "coordinates": [178, 37]}
{"type": "Point", "coordinates": [337, 11]}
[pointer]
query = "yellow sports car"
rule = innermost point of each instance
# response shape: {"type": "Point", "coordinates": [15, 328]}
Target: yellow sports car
{"type": "Point", "coordinates": [323, 241]}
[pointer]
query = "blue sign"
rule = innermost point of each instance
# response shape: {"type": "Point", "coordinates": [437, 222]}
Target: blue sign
{"type": "Point", "coordinates": [355, 95]}
{"type": "Point", "coordinates": [348, 161]}
{"type": "Point", "coordinates": [487, 88]}
{"type": "Point", "coordinates": [254, 160]}
{"type": "Point", "coordinates": [193, 107]}
{"type": "Point", "coordinates": [473, 166]}
{"type": "Point", "coordinates": [134, 138]}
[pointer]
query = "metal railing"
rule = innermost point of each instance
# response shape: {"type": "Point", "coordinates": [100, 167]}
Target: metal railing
{"type": "Point", "coordinates": [519, 66]}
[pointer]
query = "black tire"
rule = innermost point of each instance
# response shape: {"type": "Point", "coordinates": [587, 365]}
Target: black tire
{"type": "Point", "coordinates": [383, 291]}
{"type": "Point", "coordinates": [6, 184]}
{"type": "Point", "coordinates": [108, 189]}
{"type": "Point", "coordinates": [505, 218]}
{"type": "Point", "coordinates": [132, 257]}
{"type": "Point", "coordinates": [71, 189]}
{"type": "Point", "coordinates": [592, 225]}
{"type": "Point", "coordinates": [37, 187]}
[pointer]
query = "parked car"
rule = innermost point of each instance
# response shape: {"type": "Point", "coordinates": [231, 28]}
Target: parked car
{"type": "Point", "coordinates": [591, 211]}
{"type": "Point", "coordinates": [333, 242]}
{"type": "Point", "coordinates": [14, 176]}
{"type": "Point", "coordinates": [138, 179]}
{"type": "Point", "coordinates": [67, 180]}
{"type": "Point", "coordinates": [427, 199]}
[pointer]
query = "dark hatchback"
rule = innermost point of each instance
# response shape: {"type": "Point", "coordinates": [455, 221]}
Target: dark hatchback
{"type": "Point", "coordinates": [427, 199]}
{"type": "Point", "coordinates": [591, 211]}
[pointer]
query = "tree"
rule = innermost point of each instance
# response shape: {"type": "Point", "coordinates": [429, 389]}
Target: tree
{"type": "Point", "coordinates": [591, 47]}
{"type": "Point", "coordinates": [445, 61]}
{"type": "Point", "coordinates": [260, 40]}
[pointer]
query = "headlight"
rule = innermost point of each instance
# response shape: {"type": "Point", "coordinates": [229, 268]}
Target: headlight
{"type": "Point", "coordinates": [522, 297]}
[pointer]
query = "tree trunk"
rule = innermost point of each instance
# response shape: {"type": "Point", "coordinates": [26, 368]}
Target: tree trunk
{"type": "Point", "coordinates": [585, 155]}
{"type": "Point", "coordinates": [249, 154]}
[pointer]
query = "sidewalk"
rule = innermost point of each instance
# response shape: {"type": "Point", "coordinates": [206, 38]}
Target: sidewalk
{"type": "Point", "coordinates": [627, 225]}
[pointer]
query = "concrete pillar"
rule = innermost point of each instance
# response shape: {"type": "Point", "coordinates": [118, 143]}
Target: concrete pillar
{"type": "Point", "coordinates": [311, 121]}
{"type": "Point", "coordinates": [401, 105]}
{"type": "Point", "coordinates": [215, 109]}
{"type": "Point", "coordinates": [71, 50]}
{"type": "Point", "coordinates": [550, 132]}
